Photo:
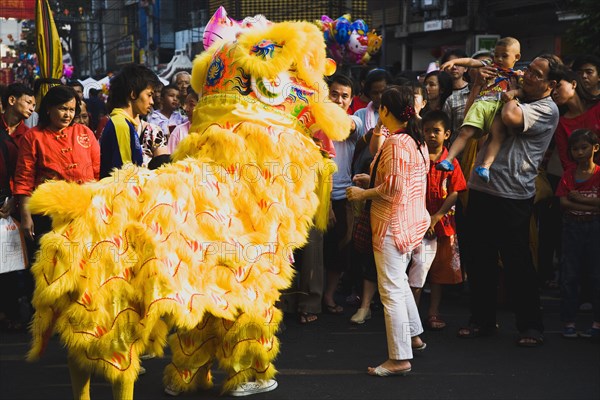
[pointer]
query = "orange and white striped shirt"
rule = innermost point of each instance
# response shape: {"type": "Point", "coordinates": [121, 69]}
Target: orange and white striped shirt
{"type": "Point", "coordinates": [401, 182]}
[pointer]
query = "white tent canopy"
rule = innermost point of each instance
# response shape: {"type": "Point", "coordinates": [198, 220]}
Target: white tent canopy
{"type": "Point", "coordinates": [179, 62]}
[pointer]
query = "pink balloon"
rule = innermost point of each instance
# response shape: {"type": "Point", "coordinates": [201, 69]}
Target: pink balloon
{"type": "Point", "coordinates": [68, 71]}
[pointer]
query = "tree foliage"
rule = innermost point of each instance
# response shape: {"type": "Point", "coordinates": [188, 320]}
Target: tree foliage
{"type": "Point", "coordinates": [585, 33]}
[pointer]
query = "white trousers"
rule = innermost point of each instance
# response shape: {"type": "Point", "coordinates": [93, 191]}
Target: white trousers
{"type": "Point", "coordinates": [402, 320]}
{"type": "Point", "coordinates": [422, 258]}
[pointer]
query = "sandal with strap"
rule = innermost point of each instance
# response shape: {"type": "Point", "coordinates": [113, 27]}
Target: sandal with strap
{"type": "Point", "coordinates": [333, 309]}
{"type": "Point", "coordinates": [435, 323]}
{"type": "Point", "coordinates": [530, 338]}
{"type": "Point", "coordinates": [307, 318]}
{"type": "Point", "coordinates": [475, 331]}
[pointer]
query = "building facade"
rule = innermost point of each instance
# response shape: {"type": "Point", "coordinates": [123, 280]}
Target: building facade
{"type": "Point", "coordinates": [417, 32]}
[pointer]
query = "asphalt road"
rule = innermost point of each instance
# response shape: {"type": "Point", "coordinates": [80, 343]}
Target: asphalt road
{"type": "Point", "coordinates": [328, 360]}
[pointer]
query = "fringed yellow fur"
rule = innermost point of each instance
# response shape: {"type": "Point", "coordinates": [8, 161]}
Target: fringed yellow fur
{"type": "Point", "coordinates": [199, 68]}
{"type": "Point", "coordinates": [202, 245]}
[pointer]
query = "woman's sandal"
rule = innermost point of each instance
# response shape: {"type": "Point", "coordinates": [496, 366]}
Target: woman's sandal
{"type": "Point", "coordinates": [382, 371]}
{"type": "Point", "coordinates": [435, 323]}
{"type": "Point", "coordinates": [420, 348]}
{"type": "Point", "coordinates": [474, 331]}
{"type": "Point", "coordinates": [333, 309]}
{"type": "Point", "coordinates": [306, 317]}
{"type": "Point", "coordinates": [530, 338]}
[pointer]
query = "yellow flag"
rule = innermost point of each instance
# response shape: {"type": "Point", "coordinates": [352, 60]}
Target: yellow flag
{"type": "Point", "coordinates": [48, 48]}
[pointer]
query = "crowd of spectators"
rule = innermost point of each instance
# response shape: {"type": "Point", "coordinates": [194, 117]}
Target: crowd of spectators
{"type": "Point", "coordinates": [437, 219]}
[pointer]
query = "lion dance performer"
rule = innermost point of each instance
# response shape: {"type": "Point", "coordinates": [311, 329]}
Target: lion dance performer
{"type": "Point", "coordinates": [203, 245]}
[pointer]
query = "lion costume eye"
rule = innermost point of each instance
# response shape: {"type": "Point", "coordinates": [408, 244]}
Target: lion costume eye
{"type": "Point", "coordinates": [272, 91]}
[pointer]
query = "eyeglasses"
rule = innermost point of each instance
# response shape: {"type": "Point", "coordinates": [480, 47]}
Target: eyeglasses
{"type": "Point", "coordinates": [534, 74]}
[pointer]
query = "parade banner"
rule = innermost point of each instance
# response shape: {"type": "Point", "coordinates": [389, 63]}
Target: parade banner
{"type": "Point", "coordinates": [48, 48]}
{"type": "Point", "coordinates": [19, 9]}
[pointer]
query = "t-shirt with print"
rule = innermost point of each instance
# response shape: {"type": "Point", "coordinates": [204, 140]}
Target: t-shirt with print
{"type": "Point", "coordinates": [151, 138]}
{"type": "Point", "coordinates": [166, 124]}
{"type": "Point", "coordinates": [588, 188]}
{"type": "Point", "coordinates": [515, 168]}
{"type": "Point", "coordinates": [501, 83]}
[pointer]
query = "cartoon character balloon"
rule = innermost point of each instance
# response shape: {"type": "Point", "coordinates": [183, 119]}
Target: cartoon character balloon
{"type": "Point", "coordinates": [374, 42]}
{"type": "Point", "coordinates": [359, 26]}
{"type": "Point", "coordinates": [341, 30]}
{"type": "Point", "coordinates": [349, 41]}
{"type": "Point", "coordinates": [357, 47]}
{"type": "Point", "coordinates": [326, 26]}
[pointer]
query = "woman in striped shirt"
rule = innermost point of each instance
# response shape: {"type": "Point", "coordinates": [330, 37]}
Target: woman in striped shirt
{"type": "Point", "coordinates": [399, 221]}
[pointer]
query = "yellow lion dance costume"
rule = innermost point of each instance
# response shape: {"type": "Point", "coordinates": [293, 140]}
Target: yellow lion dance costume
{"type": "Point", "coordinates": [204, 244]}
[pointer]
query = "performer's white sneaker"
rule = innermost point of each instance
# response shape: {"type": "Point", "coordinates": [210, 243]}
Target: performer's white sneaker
{"type": "Point", "coordinates": [248, 388]}
{"type": "Point", "coordinates": [147, 356]}
{"type": "Point", "coordinates": [172, 392]}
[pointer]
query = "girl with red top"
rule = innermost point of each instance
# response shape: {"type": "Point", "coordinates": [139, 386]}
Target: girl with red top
{"type": "Point", "coordinates": [399, 221]}
{"type": "Point", "coordinates": [54, 149]}
{"type": "Point", "coordinates": [579, 192]}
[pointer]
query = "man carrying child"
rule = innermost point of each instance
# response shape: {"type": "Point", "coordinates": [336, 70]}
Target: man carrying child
{"type": "Point", "coordinates": [500, 211]}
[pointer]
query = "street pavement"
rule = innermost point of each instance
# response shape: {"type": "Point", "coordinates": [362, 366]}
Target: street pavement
{"type": "Point", "coordinates": [328, 359]}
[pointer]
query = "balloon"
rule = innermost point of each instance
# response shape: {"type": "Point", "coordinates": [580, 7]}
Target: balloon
{"type": "Point", "coordinates": [366, 58]}
{"type": "Point", "coordinates": [326, 19]}
{"type": "Point", "coordinates": [337, 51]}
{"type": "Point", "coordinates": [349, 41]}
{"type": "Point", "coordinates": [326, 26]}
{"type": "Point", "coordinates": [68, 70]}
{"type": "Point", "coordinates": [341, 30]}
{"type": "Point", "coordinates": [330, 67]}
{"type": "Point", "coordinates": [374, 42]}
{"type": "Point", "coordinates": [359, 26]}
{"type": "Point", "coordinates": [357, 47]}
